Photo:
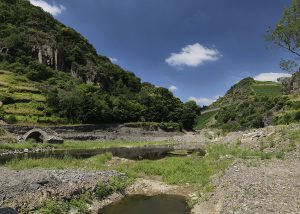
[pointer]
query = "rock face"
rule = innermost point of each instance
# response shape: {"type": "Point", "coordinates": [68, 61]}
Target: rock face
{"type": "Point", "coordinates": [43, 136]}
{"type": "Point", "coordinates": [50, 56]}
{"type": "Point", "coordinates": [291, 85]}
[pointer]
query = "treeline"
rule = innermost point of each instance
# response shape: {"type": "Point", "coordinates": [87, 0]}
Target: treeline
{"type": "Point", "coordinates": [85, 103]}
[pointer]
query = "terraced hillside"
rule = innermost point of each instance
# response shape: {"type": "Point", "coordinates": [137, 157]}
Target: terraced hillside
{"type": "Point", "coordinates": [251, 104]}
{"type": "Point", "coordinates": [22, 100]}
{"type": "Point", "coordinates": [267, 88]}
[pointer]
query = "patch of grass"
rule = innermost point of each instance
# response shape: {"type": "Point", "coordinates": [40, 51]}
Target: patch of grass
{"type": "Point", "coordinates": [203, 119]}
{"type": "Point", "coordinates": [194, 170]}
{"type": "Point", "coordinates": [270, 89]}
{"type": "Point", "coordinates": [108, 144]}
{"type": "Point", "coordinates": [280, 155]}
{"type": "Point", "coordinates": [93, 163]}
{"type": "Point", "coordinates": [81, 145]}
{"type": "Point", "coordinates": [22, 146]}
{"type": "Point", "coordinates": [116, 185]}
{"type": "Point", "coordinates": [31, 108]}
{"type": "Point", "coordinates": [33, 119]}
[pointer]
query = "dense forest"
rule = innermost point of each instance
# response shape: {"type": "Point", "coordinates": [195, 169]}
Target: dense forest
{"type": "Point", "coordinates": [80, 85]}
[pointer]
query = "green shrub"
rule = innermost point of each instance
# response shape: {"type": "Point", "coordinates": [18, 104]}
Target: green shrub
{"type": "Point", "coordinates": [11, 119]}
{"type": "Point", "coordinates": [116, 185]}
{"type": "Point", "coordinates": [2, 132]}
{"type": "Point", "coordinates": [51, 207]}
{"type": "Point", "coordinates": [280, 155]}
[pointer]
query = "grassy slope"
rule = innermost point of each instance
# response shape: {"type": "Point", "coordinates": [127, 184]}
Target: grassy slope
{"type": "Point", "coordinates": [272, 89]}
{"type": "Point", "coordinates": [205, 119]}
{"type": "Point", "coordinates": [22, 99]}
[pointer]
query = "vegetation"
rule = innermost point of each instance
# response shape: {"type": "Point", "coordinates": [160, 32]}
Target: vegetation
{"type": "Point", "coordinates": [204, 120]}
{"type": "Point", "coordinates": [80, 145]}
{"type": "Point", "coordinates": [195, 170]}
{"type": "Point", "coordinates": [269, 89]}
{"type": "Point", "coordinates": [80, 204]}
{"type": "Point", "coordinates": [83, 87]}
{"type": "Point", "coordinates": [286, 34]}
{"type": "Point", "coordinates": [252, 104]}
{"type": "Point", "coordinates": [170, 126]}
{"type": "Point", "coordinates": [22, 101]}
{"type": "Point", "coordinates": [93, 163]}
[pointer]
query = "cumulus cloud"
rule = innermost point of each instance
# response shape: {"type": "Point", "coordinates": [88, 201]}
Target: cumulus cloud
{"type": "Point", "coordinates": [173, 88]}
{"type": "Point", "coordinates": [270, 76]}
{"type": "Point", "coordinates": [53, 8]}
{"type": "Point", "coordinates": [113, 60]}
{"type": "Point", "coordinates": [193, 56]}
{"type": "Point", "coordinates": [203, 100]}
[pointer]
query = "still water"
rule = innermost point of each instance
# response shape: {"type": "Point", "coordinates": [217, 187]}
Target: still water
{"type": "Point", "coordinates": [161, 204]}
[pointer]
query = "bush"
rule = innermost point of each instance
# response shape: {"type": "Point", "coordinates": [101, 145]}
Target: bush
{"type": "Point", "coordinates": [39, 72]}
{"type": "Point", "coordinates": [11, 119]}
{"type": "Point", "coordinates": [297, 115]}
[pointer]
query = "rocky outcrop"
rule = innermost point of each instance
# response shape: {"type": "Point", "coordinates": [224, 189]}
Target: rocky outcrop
{"type": "Point", "coordinates": [291, 85]}
{"type": "Point", "coordinates": [50, 56]}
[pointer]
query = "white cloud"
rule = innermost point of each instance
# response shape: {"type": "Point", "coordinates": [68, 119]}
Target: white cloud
{"type": "Point", "coordinates": [113, 60]}
{"type": "Point", "coordinates": [203, 100]}
{"type": "Point", "coordinates": [193, 56]}
{"type": "Point", "coordinates": [50, 8]}
{"type": "Point", "coordinates": [270, 76]}
{"type": "Point", "coordinates": [173, 88]}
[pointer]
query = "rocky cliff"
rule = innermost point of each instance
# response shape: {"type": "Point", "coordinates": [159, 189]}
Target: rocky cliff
{"type": "Point", "coordinates": [291, 85]}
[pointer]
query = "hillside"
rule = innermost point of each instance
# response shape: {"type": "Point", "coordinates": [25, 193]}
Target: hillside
{"type": "Point", "coordinates": [246, 88]}
{"type": "Point", "coordinates": [70, 81]}
{"type": "Point", "coordinates": [251, 104]}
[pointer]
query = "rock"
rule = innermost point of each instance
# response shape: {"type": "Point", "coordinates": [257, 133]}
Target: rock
{"type": "Point", "coordinates": [291, 85]}
{"type": "Point", "coordinates": [2, 197]}
{"type": "Point", "coordinates": [35, 186]}
{"type": "Point", "coordinates": [26, 150]}
{"type": "Point", "coordinates": [8, 211]}
{"type": "Point", "coordinates": [42, 182]}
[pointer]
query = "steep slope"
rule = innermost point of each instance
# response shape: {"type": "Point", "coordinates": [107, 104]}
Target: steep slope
{"type": "Point", "coordinates": [77, 84]}
{"type": "Point", "coordinates": [29, 34]}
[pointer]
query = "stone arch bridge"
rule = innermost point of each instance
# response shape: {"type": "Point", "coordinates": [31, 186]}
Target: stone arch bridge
{"type": "Point", "coordinates": [43, 136]}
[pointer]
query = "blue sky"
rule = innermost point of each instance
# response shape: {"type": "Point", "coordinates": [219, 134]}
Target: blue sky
{"type": "Point", "coordinates": [199, 47]}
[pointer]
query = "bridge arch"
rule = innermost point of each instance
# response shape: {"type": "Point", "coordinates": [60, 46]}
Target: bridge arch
{"type": "Point", "coordinates": [36, 134]}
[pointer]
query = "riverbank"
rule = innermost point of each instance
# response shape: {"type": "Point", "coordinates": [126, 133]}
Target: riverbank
{"type": "Point", "coordinates": [250, 165]}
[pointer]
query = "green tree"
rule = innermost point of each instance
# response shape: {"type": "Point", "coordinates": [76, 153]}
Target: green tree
{"type": "Point", "coordinates": [286, 34]}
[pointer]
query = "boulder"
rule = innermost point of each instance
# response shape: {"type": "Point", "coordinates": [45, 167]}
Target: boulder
{"type": "Point", "coordinates": [8, 211]}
